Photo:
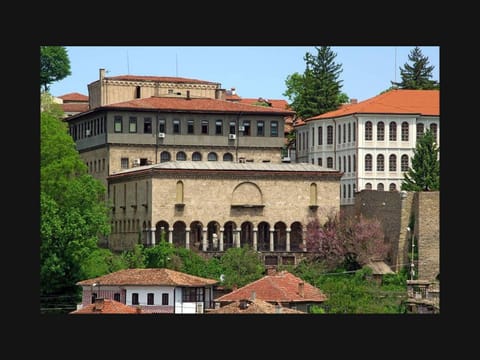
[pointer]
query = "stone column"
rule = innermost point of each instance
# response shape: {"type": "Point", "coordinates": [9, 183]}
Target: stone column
{"type": "Point", "coordinates": [152, 234]}
{"type": "Point", "coordinates": [170, 235]}
{"type": "Point", "coordinates": [288, 238]}
{"type": "Point", "coordinates": [187, 238]}
{"type": "Point", "coordinates": [255, 236]}
{"type": "Point", "coordinates": [237, 237]}
{"type": "Point", "coordinates": [221, 239]}
{"type": "Point", "coordinates": [204, 239]}
{"type": "Point", "coordinates": [271, 239]}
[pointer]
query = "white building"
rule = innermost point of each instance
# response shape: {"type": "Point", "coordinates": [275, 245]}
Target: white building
{"type": "Point", "coordinates": [371, 142]}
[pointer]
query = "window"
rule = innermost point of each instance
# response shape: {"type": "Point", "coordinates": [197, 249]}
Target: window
{"type": "Point", "coordinates": [381, 131]}
{"type": "Point", "coordinates": [433, 129]}
{"type": "Point", "coordinates": [190, 127]}
{"type": "Point", "coordinates": [349, 164]}
{"type": "Point", "coordinates": [196, 156]}
{"type": "Point", "coordinates": [150, 299]}
{"type": "Point", "coordinates": [132, 124]}
{"type": "Point", "coordinates": [260, 128]}
{"type": "Point", "coordinates": [329, 162]}
{"type": "Point", "coordinates": [135, 299]}
{"type": "Point", "coordinates": [218, 127]}
{"type": "Point", "coordinates": [349, 132]}
{"type": "Point", "coordinates": [165, 156]}
{"type": "Point", "coordinates": [320, 135]}
{"type": "Point", "coordinates": [339, 134]}
{"type": "Point", "coordinates": [329, 134]}
{"type": "Point", "coordinates": [354, 163]}
{"type": "Point", "coordinates": [232, 128]}
{"type": "Point", "coordinates": [354, 133]}
{"type": "Point", "coordinates": [176, 126]}
{"type": "Point", "coordinates": [420, 130]}
{"type": "Point", "coordinates": [161, 126]}
{"type": "Point", "coordinates": [137, 92]}
{"type": "Point", "coordinates": [344, 187]}
{"type": "Point", "coordinates": [116, 297]}
{"type": "Point", "coordinates": [181, 156]}
{"type": "Point", "coordinates": [274, 129]}
{"type": "Point", "coordinates": [404, 163]}
{"type": "Point", "coordinates": [392, 187]}
{"type": "Point", "coordinates": [147, 125]}
{"type": "Point", "coordinates": [124, 163]}
{"type": "Point", "coordinates": [313, 137]}
{"type": "Point", "coordinates": [344, 164]}
{"type": "Point", "coordinates": [392, 163]}
{"type": "Point", "coordinates": [212, 156]}
{"type": "Point", "coordinates": [193, 294]}
{"type": "Point", "coordinates": [368, 162]}
{"type": "Point", "coordinates": [118, 124]}
{"type": "Point", "coordinates": [319, 161]}
{"type": "Point", "coordinates": [368, 130]}
{"type": "Point", "coordinates": [404, 131]}
{"type": "Point", "coordinates": [94, 297]}
{"type": "Point", "coordinates": [368, 186]}
{"type": "Point", "coordinates": [392, 132]}
{"type": "Point", "coordinates": [164, 299]}
{"type": "Point", "coordinates": [380, 162]}
{"type": "Point", "coordinates": [349, 191]}
{"type": "Point", "coordinates": [205, 127]}
{"type": "Point", "coordinates": [344, 134]}
{"type": "Point", "coordinates": [246, 127]}
{"type": "Point", "coordinates": [340, 163]}
{"type": "Point", "coordinates": [227, 157]}
{"type": "Point", "coordinates": [380, 187]}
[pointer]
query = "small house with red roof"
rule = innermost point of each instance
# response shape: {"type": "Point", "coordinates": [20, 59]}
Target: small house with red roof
{"type": "Point", "coordinates": [281, 288]}
{"type": "Point", "coordinates": [153, 290]}
{"type": "Point", "coordinates": [73, 103]}
{"type": "Point", "coordinates": [103, 306]}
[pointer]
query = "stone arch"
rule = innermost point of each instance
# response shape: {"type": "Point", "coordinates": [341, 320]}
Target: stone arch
{"type": "Point", "coordinates": [213, 235]}
{"type": "Point", "coordinates": [228, 234]}
{"type": "Point", "coordinates": [296, 236]}
{"type": "Point", "coordinates": [246, 234]}
{"type": "Point", "coordinates": [162, 226]}
{"type": "Point", "coordinates": [263, 239]}
{"type": "Point", "coordinates": [179, 235]}
{"type": "Point", "coordinates": [196, 235]}
{"type": "Point", "coordinates": [280, 236]}
{"type": "Point", "coordinates": [247, 193]}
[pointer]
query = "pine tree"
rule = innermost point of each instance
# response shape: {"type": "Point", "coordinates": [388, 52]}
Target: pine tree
{"type": "Point", "coordinates": [317, 90]}
{"type": "Point", "coordinates": [417, 75]}
{"type": "Point", "coordinates": [424, 175]}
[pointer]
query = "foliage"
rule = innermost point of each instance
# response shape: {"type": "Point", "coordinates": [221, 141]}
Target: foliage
{"type": "Point", "coordinates": [72, 211]}
{"type": "Point", "coordinates": [347, 241]}
{"type": "Point", "coordinates": [318, 89]}
{"type": "Point", "coordinates": [48, 105]}
{"type": "Point", "coordinates": [241, 266]}
{"type": "Point", "coordinates": [54, 65]}
{"type": "Point", "coordinates": [418, 74]}
{"type": "Point", "coordinates": [424, 175]}
{"type": "Point", "coordinates": [159, 256]}
{"type": "Point", "coordinates": [135, 258]}
{"type": "Point", "coordinates": [102, 261]}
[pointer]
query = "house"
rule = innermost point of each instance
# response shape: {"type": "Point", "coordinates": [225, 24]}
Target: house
{"type": "Point", "coordinates": [152, 290]}
{"type": "Point", "coordinates": [379, 268]}
{"type": "Point", "coordinates": [253, 306]}
{"type": "Point", "coordinates": [282, 288]}
{"type": "Point", "coordinates": [73, 103]}
{"type": "Point", "coordinates": [371, 141]}
{"type": "Point", "coordinates": [103, 306]}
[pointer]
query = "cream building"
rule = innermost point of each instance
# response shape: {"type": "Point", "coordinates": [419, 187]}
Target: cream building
{"type": "Point", "coordinates": [213, 206]}
{"type": "Point", "coordinates": [370, 142]}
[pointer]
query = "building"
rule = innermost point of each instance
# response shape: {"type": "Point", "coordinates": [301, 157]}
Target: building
{"type": "Point", "coordinates": [253, 306]}
{"type": "Point", "coordinates": [73, 103]}
{"type": "Point", "coordinates": [153, 290]}
{"type": "Point", "coordinates": [103, 306]}
{"type": "Point", "coordinates": [371, 142]}
{"type": "Point", "coordinates": [277, 288]}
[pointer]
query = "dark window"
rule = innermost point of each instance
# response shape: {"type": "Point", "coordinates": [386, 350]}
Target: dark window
{"type": "Point", "coordinates": [137, 92]}
{"type": "Point", "coordinates": [176, 126]}
{"type": "Point", "coordinates": [94, 297]}
{"type": "Point", "coordinates": [124, 163]}
{"type": "Point", "coordinates": [380, 162]}
{"type": "Point", "coordinates": [380, 131]}
{"type": "Point", "coordinates": [368, 186]}
{"type": "Point", "coordinates": [329, 134]}
{"type": "Point", "coordinates": [150, 299]}
{"type": "Point", "coordinates": [190, 127]}
{"type": "Point", "coordinates": [404, 163]}
{"type": "Point", "coordinates": [132, 124]}
{"type": "Point", "coordinates": [368, 130]}
{"type": "Point", "coordinates": [420, 130]}
{"type": "Point", "coordinates": [193, 295]}
{"type": "Point", "coordinates": [260, 128]}
{"type": "Point", "coordinates": [344, 134]}
{"type": "Point", "coordinates": [404, 131]}
{"type": "Point", "coordinates": [218, 127]}
{"type": "Point", "coordinates": [392, 134]}
{"type": "Point", "coordinates": [147, 125]}
{"type": "Point", "coordinates": [161, 126]}
{"type": "Point", "coordinates": [205, 127]}
{"type": "Point", "coordinates": [339, 134]}
{"type": "Point", "coordinates": [313, 136]}
{"type": "Point", "coordinates": [434, 129]}
{"type": "Point", "coordinates": [329, 162]}
{"type": "Point", "coordinates": [164, 299]}
{"type": "Point", "coordinates": [380, 187]}
{"type": "Point", "coordinates": [165, 156]}
{"type": "Point", "coordinates": [181, 156]}
{"type": "Point", "coordinates": [319, 161]}
{"type": "Point", "coordinates": [135, 299]}
{"type": "Point", "coordinates": [320, 135]}
{"type": "Point", "coordinates": [246, 127]}
{"type": "Point", "coordinates": [116, 297]}
{"type": "Point", "coordinates": [118, 124]}
{"type": "Point", "coordinates": [392, 187]}
{"type": "Point", "coordinates": [196, 156]}
{"type": "Point", "coordinates": [349, 132]}
{"type": "Point", "coordinates": [368, 162]}
{"type": "Point", "coordinates": [232, 128]}
{"type": "Point", "coordinates": [212, 156]}
{"type": "Point", "coordinates": [227, 157]}
{"type": "Point", "coordinates": [392, 163]}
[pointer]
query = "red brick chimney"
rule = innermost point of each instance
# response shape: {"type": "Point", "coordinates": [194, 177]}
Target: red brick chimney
{"type": "Point", "coordinates": [98, 304]}
{"type": "Point", "coordinates": [301, 287]}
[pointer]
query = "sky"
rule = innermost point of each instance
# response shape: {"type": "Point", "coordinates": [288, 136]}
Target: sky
{"type": "Point", "coordinates": [254, 71]}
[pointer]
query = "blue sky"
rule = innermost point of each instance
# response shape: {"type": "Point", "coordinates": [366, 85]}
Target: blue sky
{"type": "Point", "coordinates": [255, 71]}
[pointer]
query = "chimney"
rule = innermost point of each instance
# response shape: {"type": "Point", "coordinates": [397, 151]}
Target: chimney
{"type": "Point", "coordinates": [102, 74]}
{"type": "Point", "coordinates": [253, 295]}
{"type": "Point", "coordinates": [301, 286]}
{"type": "Point", "coordinates": [98, 304]}
{"type": "Point", "coordinates": [353, 101]}
{"type": "Point", "coordinates": [233, 90]}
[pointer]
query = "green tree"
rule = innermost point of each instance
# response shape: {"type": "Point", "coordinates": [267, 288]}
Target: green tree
{"type": "Point", "coordinates": [418, 74]}
{"type": "Point", "coordinates": [54, 65]}
{"type": "Point", "coordinates": [424, 174]}
{"type": "Point", "coordinates": [73, 213]}
{"type": "Point", "coordinates": [318, 89]}
{"type": "Point", "coordinates": [241, 266]}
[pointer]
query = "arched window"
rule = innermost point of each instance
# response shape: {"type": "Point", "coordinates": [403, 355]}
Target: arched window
{"type": "Point", "coordinates": [227, 157]}
{"type": "Point", "coordinates": [392, 163]}
{"type": "Point", "coordinates": [368, 130]}
{"type": "Point", "coordinates": [392, 187]}
{"type": "Point", "coordinates": [368, 162]}
{"type": "Point", "coordinates": [433, 129]}
{"type": "Point", "coordinates": [404, 131]}
{"type": "Point", "coordinates": [392, 132]}
{"type": "Point", "coordinates": [380, 162]}
{"type": "Point", "coordinates": [420, 130]}
{"type": "Point", "coordinates": [368, 186]}
{"type": "Point", "coordinates": [179, 194]}
{"type": "Point", "coordinates": [313, 194]}
{"type": "Point", "coordinates": [380, 131]}
{"type": "Point", "coordinates": [181, 156]}
{"type": "Point", "coordinates": [404, 163]}
{"type": "Point", "coordinates": [212, 156]}
{"type": "Point", "coordinates": [165, 156]}
{"type": "Point", "coordinates": [196, 156]}
{"type": "Point", "coordinates": [380, 187]}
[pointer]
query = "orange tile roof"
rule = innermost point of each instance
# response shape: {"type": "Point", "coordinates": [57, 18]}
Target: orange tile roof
{"type": "Point", "coordinates": [170, 79]}
{"type": "Point", "coordinates": [107, 306]}
{"type": "Point", "coordinates": [74, 107]}
{"type": "Point", "coordinates": [74, 96]}
{"type": "Point", "coordinates": [194, 105]}
{"type": "Point", "coordinates": [280, 287]}
{"type": "Point", "coordinates": [399, 101]}
{"type": "Point", "coordinates": [256, 306]}
{"type": "Point", "coordinates": [278, 104]}
{"type": "Point", "coordinates": [150, 276]}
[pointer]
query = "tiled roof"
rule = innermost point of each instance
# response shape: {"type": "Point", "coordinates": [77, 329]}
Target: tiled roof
{"type": "Point", "coordinates": [279, 287]}
{"type": "Point", "coordinates": [256, 306]}
{"type": "Point", "coordinates": [195, 105]}
{"type": "Point", "coordinates": [168, 79]}
{"type": "Point", "coordinates": [107, 306]}
{"type": "Point", "coordinates": [399, 101]}
{"type": "Point", "coordinates": [74, 96]}
{"type": "Point", "coordinates": [151, 276]}
{"type": "Point", "coordinates": [74, 107]}
{"type": "Point", "coordinates": [278, 103]}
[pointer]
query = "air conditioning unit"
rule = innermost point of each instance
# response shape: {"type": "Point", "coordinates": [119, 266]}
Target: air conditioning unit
{"type": "Point", "coordinates": [232, 136]}
{"type": "Point", "coordinates": [136, 162]}
{"type": "Point", "coordinates": [87, 132]}
{"type": "Point", "coordinates": [161, 135]}
{"type": "Point", "coordinates": [241, 128]}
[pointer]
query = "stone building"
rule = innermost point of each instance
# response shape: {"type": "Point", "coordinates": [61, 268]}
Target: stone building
{"type": "Point", "coordinates": [212, 206]}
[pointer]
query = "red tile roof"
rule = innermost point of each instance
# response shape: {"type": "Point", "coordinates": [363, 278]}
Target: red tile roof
{"type": "Point", "coordinates": [107, 306]}
{"type": "Point", "coordinates": [75, 96]}
{"type": "Point", "coordinates": [278, 104]}
{"type": "Point", "coordinates": [74, 107]}
{"type": "Point", "coordinates": [255, 306]}
{"type": "Point", "coordinates": [195, 105]}
{"type": "Point", "coordinates": [399, 101]}
{"type": "Point", "coordinates": [169, 79]}
{"type": "Point", "coordinates": [151, 276]}
{"type": "Point", "coordinates": [280, 287]}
